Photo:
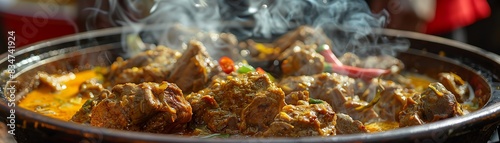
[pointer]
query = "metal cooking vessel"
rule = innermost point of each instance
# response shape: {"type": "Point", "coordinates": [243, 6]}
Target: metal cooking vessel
{"type": "Point", "coordinates": [101, 47]}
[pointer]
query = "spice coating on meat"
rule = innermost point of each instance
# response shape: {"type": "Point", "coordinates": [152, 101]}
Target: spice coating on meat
{"type": "Point", "coordinates": [245, 103]}
{"type": "Point", "coordinates": [434, 104]}
{"type": "Point", "coordinates": [346, 125]}
{"type": "Point", "coordinates": [456, 85]}
{"type": "Point", "coordinates": [84, 114]}
{"type": "Point", "coordinates": [149, 66]}
{"type": "Point", "coordinates": [438, 103]}
{"type": "Point", "coordinates": [149, 107]}
{"type": "Point", "coordinates": [302, 120]}
{"type": "Point", "coordinates": [90, 88]}
{"type": "Point", "coordinates": [392, 100]}
{"type": "Point", "coordinates": [54, 82]}
{"type": "Point", "coordinates": [337, 90]}
{"type": "Point", "coordinates": [304, 34]}
{"type": "Point", "coordinates": [301, 61]}
{"type": "Point", "coordinates": [194, 69]}
{"type": "Point", "coordinates": [411, 114]}
{"type": "Point", "coordinates": [294, 97]}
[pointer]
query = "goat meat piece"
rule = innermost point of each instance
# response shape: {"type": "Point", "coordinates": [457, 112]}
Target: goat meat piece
{"type": "Point", "coordinates": [90, 88]}
{"type": "Point", "coordinates": [346, 125]}
{"type": "Point", "coordinates": [194, 69]}
{"type": "Point", "coordinates": [456, 85]}
{"type": "Point", "coordinates": [411, 114]}
{"type": "Point", "coordinates": [305, 34]}
{"type": "Point", "coordinates": [149, 107]}
{"type": "Point", "coordinates": [438, 103]}
{"type": "Point", "coordinates": [337, 90]}
{"type": "Point", "coordinates": [83, 115]}
{"type": "Point", "coordinates": [245, 104]}
{"type": "Point", "coordinates": [149, 66]}
{"type": "Point", "coordinates": [294, 97]}
{"type": "Point", "coordinates": [301, 61]}
{"type": "Point", "coordinates": [433, 104]}
{"type": "Point", "coordinates": [54, 82]}
{"type": "Point", "coordinates": [303, 120]}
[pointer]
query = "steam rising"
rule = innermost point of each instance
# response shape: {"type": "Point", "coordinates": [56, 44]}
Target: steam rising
{"type": "Point", "coordinates": [264, 19]}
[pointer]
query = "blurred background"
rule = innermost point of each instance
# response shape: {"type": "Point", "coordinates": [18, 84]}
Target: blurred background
{"type": "Point", "coordinates": [470, 21]}
{"type": "Point", "coordinates": [475, 22]}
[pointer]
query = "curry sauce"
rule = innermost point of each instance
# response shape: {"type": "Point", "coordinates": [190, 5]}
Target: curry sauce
{"type": "Point", "coordinates": [62, 104]}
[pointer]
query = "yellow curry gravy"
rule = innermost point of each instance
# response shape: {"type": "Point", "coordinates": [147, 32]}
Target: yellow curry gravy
{"type": "Point", "coordinates": [62, 104]}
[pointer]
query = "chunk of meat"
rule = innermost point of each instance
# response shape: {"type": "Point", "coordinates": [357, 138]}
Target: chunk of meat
{"type": "Point", "coordinates": [194, 69]}
{"type": "Point", "coordinates": [93, 90]}
{"type": "Point", "coordinates": [245, 103]}
{"type": "Point", "coordinates": [434, 104]}
{"type": "Point", "coordinates": [349, 107]}
{"type": "Point", "coordinates": [411, 114]}
{"type": "Point", "coordinates": [90, 88]}
{"type": "Point", "coordinates": [393, 97]}
{"type": "Point", "coordinates": [298, 61]}
{"type": "Point", "coordinates": [294, 97]}
{"type": "Point", "coordinates": [149, 66]}
{"type": "Point", "coordinates": [302, 120]}
{"type": "Point", "coordinates": [438, 103]}
{"type": "Point", "coordinates": [54, 82]}
{"type": "Point", "coordinates": [149, 107]}
{"type": "Point", "coordinates": [346, 125]}
{"type": "Point", "coordinates": [337, 90]}
{"type": "Point", "coordinates": [392, 101]}
{"type": "Point", "coordinates": [456, 85]}
{"type": "Point", "coordinates": [84, 114]}
{"type": "Point", "coordinates": [305, 34]}
{"type": "Point", "coordinates": [297, 83]}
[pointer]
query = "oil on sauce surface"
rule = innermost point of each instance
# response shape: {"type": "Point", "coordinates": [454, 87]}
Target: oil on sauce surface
{"type": "Point", "coordinates": [62, 104]}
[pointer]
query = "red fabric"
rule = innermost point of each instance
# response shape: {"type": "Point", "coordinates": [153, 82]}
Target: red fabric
{"type": "Point", "coordinates": [33, 29]}
{"type": "Point", "coordinates": [453, 14]}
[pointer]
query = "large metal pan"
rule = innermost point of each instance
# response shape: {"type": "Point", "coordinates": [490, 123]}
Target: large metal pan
{"type": "Point", "coordinates": [101, 47]}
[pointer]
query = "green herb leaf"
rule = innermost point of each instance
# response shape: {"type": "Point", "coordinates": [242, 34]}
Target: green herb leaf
{"type": "Point", "coordinates": [245, 69]}
{"type": "Point", "coordinates": [315, 101]}
{"type": "Point", "coordinates": [217, 135]}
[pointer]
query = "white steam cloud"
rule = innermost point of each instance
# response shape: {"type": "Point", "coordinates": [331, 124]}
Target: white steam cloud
{"type": "Point", "coordinates": [255, 19]}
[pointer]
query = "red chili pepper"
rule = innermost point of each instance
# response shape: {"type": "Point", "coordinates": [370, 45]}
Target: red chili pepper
{"type": "Point", "coordinates": [333, 64]}
{"type": "Point", "coordinates": [327, 53]}
{"type": "Point", "coordinates": [356, 72]}
{"type": "Point", "coordinates": [226, 64]}
{"type": "Point", "coordinates": [260, 70]}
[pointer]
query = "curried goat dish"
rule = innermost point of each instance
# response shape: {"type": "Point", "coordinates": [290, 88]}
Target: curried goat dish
{"type": "Point", "coordinates": [293, 87]}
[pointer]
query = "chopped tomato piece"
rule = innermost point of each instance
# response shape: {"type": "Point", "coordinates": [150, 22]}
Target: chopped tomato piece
{"type": "Point", "coordinates": [226, 64]}
{"type": "Point", "coordinates": [260, 70]}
